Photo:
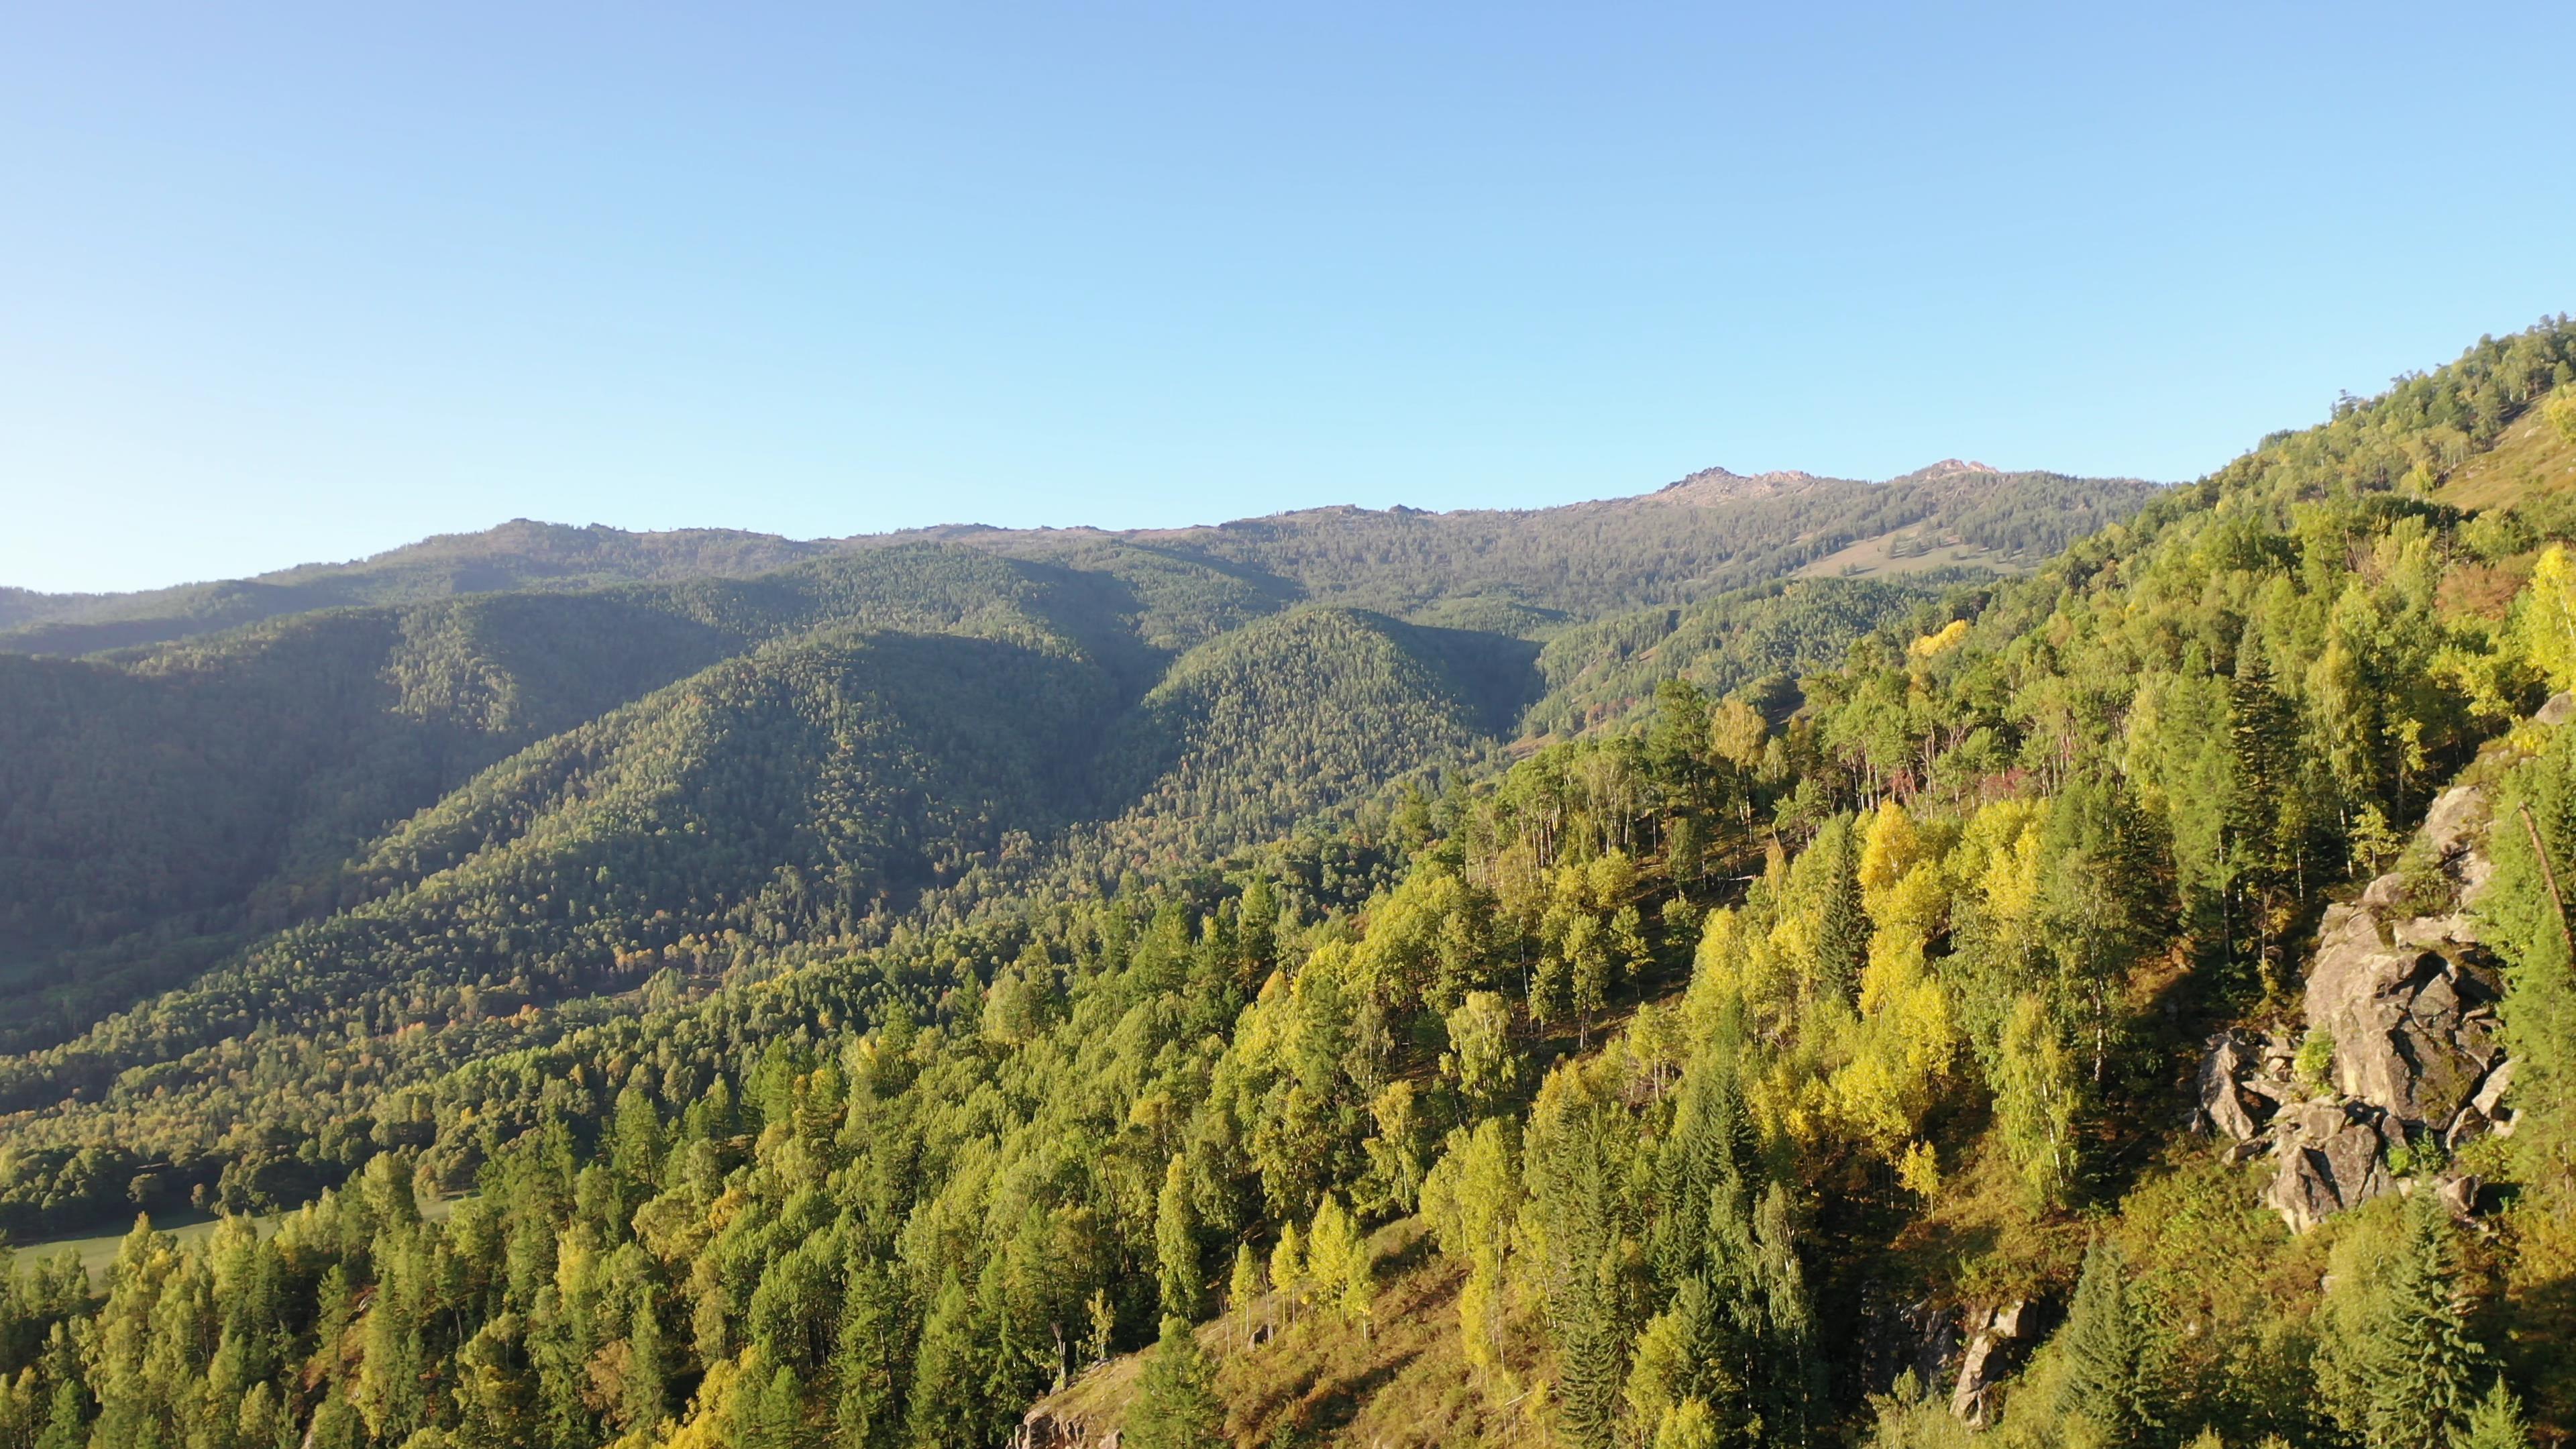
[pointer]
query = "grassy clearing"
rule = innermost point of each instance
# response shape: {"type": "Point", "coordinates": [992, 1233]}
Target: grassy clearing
{"type": "Point", "coordinates": [1294, 1376]}
{"type": "Point", "coordinates": [98, 1250]}
{"type": "Point", "coordinates": [2532, 459]}
{"type": "Point", "coordinates": [1910, 550]}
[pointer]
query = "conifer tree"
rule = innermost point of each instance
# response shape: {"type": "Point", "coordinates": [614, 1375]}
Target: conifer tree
{"type": "Point", "coordinates": [2268, 810]}
{"type": "Point", "coordinates": [2422, 1364]}
{"type": "Point", "coordinates": [1176, 1402]}
{"type": "Point", "coordinates": [946, 1382]}
{"type": "Point", "coordinates": [865, 1358]}
{"type": "Point", "coordinates": [1702, 1162]}
{"type": "Point", "coordinates": [390, 1373]}
{"type": "Point", "coordinates": [636, 1144]}
{"type": "Point", "coordinates": [1842, 929]}
{"type": "Point", "coordinates": [66, 1425]}
{"type": "Point", "coordinates": [262, 1424]}
{"type": "Point", "coordinates": [645, 1391]}
{"type": "Point", "coordinates": [771, 1414]}
{"type": "Point", "coordinates": [1787, 1370]}
{"type": "Point", "coordinates": [336, 1425]}
{"type": "Point", "coordinates": [2495, 1422]}
{"type": "Point", "coordinates": [1176, 1243]}
{"type": "Point", "coordinates": [1682, 1356]}
{"type": "Point", "coordinates": [1575, 1172]}
{"type": "Point", "coordinates": [2106, 1355]}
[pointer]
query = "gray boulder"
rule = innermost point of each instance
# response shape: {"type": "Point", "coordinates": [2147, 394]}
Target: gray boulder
{"type": "Point", "coordinates": [2224, 1105]}
{"type": "Point", "coordinates": [2456, 821]}
{"type": "Point", "coordinates": [2489, 1101]}
{"type": "Point", "coordinates": [2414, 1029]}
{"type": "Point", "coordinates": [1997, 1334]}
{"type": "Point", "coordinates": [2330, 1159]}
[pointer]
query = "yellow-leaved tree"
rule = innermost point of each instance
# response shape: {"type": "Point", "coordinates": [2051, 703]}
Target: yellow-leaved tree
{"type": "Point", "coordinates": [1472, 1200]}
{"type": "Point", "coordinates": [2549, 618]}
{"type": "Point", "coordinates": [1906, 1036]}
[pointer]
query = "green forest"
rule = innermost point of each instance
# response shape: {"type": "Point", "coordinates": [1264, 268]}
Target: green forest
{"type": "Point", "coordinates": [1348, 978]}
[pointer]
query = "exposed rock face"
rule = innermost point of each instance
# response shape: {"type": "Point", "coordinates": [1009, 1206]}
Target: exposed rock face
{"type": "Point", "coordinates": [2226, 1104]}
{"type": "Point", "coordinates": [2456, 830]}
{"type": "Point", "coordinates": [1998, 1336]}
{"type": "Point", "coordinates": [1920, 1338]}
{"type": "Point", "coordinates": [2414, 1028]}
{"type": "Point", "coordinates": [1043, 1430]}
{"type": "Point", "coordinates": [2408, 998]}
{"type": "Point", "coordinates": [2330, 1159]}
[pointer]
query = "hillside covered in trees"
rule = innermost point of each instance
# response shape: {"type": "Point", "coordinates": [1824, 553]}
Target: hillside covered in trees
{"type": "Point", "coordinates": [1508, 570]}
{"type": "Point", "coordinates": [1361, 979]}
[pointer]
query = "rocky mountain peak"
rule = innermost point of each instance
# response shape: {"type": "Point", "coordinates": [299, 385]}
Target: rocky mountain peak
{"type": "Point", "coordinates": [1960, 469]}
{"type": "Point", "coordinates": [1720, 485]}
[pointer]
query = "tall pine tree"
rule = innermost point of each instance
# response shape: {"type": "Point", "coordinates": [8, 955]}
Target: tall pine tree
{"type": "Point", "coordinates": [2422, 1364]}
{"type": "Point", "coordinates": [1176, 1402]}
{"type": "Point", "coordinates": [1176, 1243]}
{"type": "Point", "coordinates": [2495, 1422]}
{"type": "Point", "coordinates": [947, 1381]}
{"type": "Point", "coordinates": [2106, 1380]}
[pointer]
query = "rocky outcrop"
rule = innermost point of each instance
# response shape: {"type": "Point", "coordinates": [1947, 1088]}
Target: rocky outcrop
{"type": "Point", "coordinates": [2331, 1156]}
{"type": "Point", "coordinates": [1044, 1428]}
{"type": "Point", "coordinates": [1927, 1342]}
{"type": "Point", "coordinates": [2231, 1101]}
{"type": "Point", "coordinates": [2401, 989]}
{"type": "Point", "coordinates": [2411, 1011]}
{"type": "Point", "coordinates": [1086, 1413]}
{"type": "Point", "coordinates": [1997, 1339]}
{"type": "Point", "coordinates": [1895, 1339]}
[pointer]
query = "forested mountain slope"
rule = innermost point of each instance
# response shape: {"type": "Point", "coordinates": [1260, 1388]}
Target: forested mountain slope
{"type": "Point", "coordinates": [160, 805]}
{"type": "Point", "coordinates": [517, 555]}
{"type": "Point", "coordinates": [1749, 1060]}
{"type": "Point", "coordinates": [164, 808]}
{"type": "Point", "coordinates": [1758, 642]}
{"type": "Point", "coordinates": [1333, 701]}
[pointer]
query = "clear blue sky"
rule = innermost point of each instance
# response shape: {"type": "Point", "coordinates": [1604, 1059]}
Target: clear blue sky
{"type": "Point", "coordinates": [288, 283]}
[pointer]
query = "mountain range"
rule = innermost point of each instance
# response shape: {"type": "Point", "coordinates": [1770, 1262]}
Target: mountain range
{"type": "Point", "coordinates": [1548, 564]}
{"type": "Point", "coordinates": [1775, 960]}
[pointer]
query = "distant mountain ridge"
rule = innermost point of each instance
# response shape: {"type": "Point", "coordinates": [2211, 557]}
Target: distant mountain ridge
{"type": "Point", "coordinates": [1764, 525]}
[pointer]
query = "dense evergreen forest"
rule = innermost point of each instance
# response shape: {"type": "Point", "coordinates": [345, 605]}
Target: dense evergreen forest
{"type": "Point", "coordinates": [1347, 978]}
